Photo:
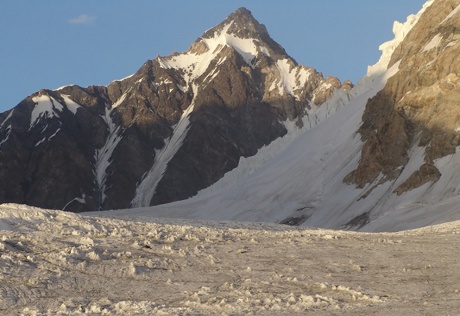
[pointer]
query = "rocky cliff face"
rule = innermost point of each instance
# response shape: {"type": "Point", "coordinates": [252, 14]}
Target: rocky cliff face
{"type": "Point", "coordinates": [174, 127]}
{"type": "Point", "coordinates": [419, 106]}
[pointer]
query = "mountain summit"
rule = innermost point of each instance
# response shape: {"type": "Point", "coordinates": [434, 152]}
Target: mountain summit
{"type": "Point", "coordinates": [241, 24]}
{"type": "Point", "coordinates": [173, 128]}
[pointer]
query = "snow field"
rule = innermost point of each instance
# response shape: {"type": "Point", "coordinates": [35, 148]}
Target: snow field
{"type": "Point", "coordinates": [60, 263]}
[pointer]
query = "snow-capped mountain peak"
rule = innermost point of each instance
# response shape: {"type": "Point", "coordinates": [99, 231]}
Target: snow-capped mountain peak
{"type": "Point", "coordinates": [240, 32]}
{"type": "Point", "coordinates": [196, 61]}
{"type": "Point", "coordinates": [242, 24]}
{"type": "Point", "coordinates": [174, 127]}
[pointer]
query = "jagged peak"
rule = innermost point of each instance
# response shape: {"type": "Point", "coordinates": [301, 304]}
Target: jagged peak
{"type": "Point", "coordinates": [242, 24]}
{"type": "Point", "coordinates": [240, 31]}
{"type": "Point", "coordinates": [242, 11]}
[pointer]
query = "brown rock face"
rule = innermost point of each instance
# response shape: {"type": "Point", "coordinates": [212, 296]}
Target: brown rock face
{"type": "Point", "coordinates": [387, 136]}
{"type": "Point", "coordinates": [426, 173]}
{"type": "Point", "coordinates": [419, 105]}
{"type": "Point", "coordinates": [326, 89]}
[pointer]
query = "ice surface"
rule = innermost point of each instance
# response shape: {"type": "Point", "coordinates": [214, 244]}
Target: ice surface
{"type": "Point", "coordinates": [312, 163]}
{"type": "Point", "coordinates": [244, 46]}
{"type": "Point", "coordinates": [8, 129]}
{"type": "Point", "coordinates": [58, 263]}
{"type": "Point", "coordinates": [193, 65]}
{"type": "Point", "coordinates": [264, 51]}
{"type": "Point", "coordinates": [54, 134]}
{"type": "Point", "coordinates": [47, 138]}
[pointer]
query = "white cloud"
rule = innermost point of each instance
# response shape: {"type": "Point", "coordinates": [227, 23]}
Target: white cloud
{"type": "Point", "coordinates": [83, 19]}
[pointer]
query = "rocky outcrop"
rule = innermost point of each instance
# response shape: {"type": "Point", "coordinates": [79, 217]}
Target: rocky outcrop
{"type": "Point", "coordinates": [418, 106]}
{"type": "Point", "coordinates": [174, 127]}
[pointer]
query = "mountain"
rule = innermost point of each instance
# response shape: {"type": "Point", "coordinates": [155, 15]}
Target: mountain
{"type": "Point", "coordinates": [386, 160]}
{"type": "Point", "coordinates": [174, 127]}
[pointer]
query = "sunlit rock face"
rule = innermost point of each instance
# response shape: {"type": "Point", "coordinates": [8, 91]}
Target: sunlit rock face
{"type": "Point", "coordinates": [419, 106]}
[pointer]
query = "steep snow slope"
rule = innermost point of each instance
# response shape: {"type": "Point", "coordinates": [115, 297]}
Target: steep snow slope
{"type": "Point", "coordinates": [57, 263]}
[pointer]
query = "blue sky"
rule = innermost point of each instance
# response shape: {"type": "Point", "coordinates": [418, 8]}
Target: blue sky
{"type": "Point", "coordinates": [51, 43]}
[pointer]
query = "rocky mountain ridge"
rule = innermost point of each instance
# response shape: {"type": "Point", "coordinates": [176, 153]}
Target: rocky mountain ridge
{"type": "Point", "coordinates": [419, 105]}
{"type": "Point", "coordinates": [174, 127]}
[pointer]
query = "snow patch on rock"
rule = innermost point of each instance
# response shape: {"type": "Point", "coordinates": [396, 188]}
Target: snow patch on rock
{"type": "Point", "coordinates": [292, 78]}
{"type": "Point", "coordinates": [452, 14]}
{"type": "Point", "coordinates": [7, 118]}
{"type": "Point", "coordinates": [102, 156]}
{"type": "Point", "coordinates": [7, 136]}
{"type": "Point", "coordinates": [147, 187]}
{"type": "Point", "coordinates": [70, 104]}
{"type": "Point", "coordinates": [194, 64]}
{"type": "Point", "coordinates": [45, 107]}
{"type": "Point", "coordinates": [434, 43]}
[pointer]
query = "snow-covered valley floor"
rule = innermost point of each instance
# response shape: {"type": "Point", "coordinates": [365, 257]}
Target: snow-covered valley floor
{"type": "Point", "coordinates": [56, 263]}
